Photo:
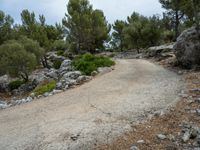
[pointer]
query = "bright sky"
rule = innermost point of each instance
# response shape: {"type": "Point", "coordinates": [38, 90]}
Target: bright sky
{"type": "Point", "coordinates": [54, 10]}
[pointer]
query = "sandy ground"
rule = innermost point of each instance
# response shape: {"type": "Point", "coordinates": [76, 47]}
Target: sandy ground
{"type": "Point", "coordinates": [94, 113]}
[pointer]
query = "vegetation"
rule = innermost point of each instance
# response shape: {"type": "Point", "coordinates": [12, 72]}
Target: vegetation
{"type": "Point", "coordinates": [88, 63]}
{"type": "Point", "coordinates": [57, 64]}
{"type": "Point", "coordinates": [47, 86]}
{"type": "Point", "coordinates": [23, 47]}
{"type": "Point", "coordinates": [15, 84]}
{"type": "Point", "coordinates": [87, 29]}
{"type": "Point", "coordinates": [16, 60]}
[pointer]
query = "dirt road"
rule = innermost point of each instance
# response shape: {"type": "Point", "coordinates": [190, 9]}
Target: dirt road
{"type": "Point", "coordinates": [95, 112]}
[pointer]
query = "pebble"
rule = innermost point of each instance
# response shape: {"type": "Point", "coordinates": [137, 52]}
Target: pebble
{"type": "Point", "coordinates": [198, 112]}
{"type": "Point", "coordinates": [134, 148]}
{"type": "Point", "coordinates": [161, 136]}
{"type": "Point", "coordinates": [140, 142]}
{"type": "Point", "coordinates": [186, 136]}
{"type": "Point", "coordinates": [198, 100]}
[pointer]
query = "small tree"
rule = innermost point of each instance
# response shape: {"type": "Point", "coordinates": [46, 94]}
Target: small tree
{"type": "Point", "coordinates": [6, 22]}
{"type": "Point", "coordinates": [16, 61]}
{"type": "Point", "coordinates": [33, 47]}
{"type": "Point", "coordinates": [118, 34]}
{"type": "Point", "coordinates": [87, 29]}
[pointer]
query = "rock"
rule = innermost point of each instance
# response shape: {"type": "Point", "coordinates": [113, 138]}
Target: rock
{"type": "Point", "coordinates": [52, 74]}
{"type": "Point", "coordinates": [198, 112]}
{"type": "Point", "coordinates": [57, 91]}
{"type": "Point", "coordinates": [161, 136]}
{"type": "Point", "coordinates": [4, 81]}
{"type": "Point", "coordinates": [3, 105]}
{"type": "Point", "coordinates": [52, 56]}
{"type": "Point", "coordinates": [103, 70]}
{"type": "Point", "coordinates": [198, 100]}
{"type": "Point", "coordinates": [28, 87]}
{"type": "Point", "coordinates": [32, 95]}
{"type": "Point", "coordinates": [195, 131]}
{"type": "Point", "coordinates": [72, 75]}
{"type": "Point", "coordinates": [46, 94]}
{"type": "Point", "coordinates": [186, 136]}
{"type": "Point", "coordinates": [94, 73]}
{"type": "Point", "coordinates": [187, 48]}
{"type": "Point", "coordinates": [180, 72]}
{"type": "Point", "coordinates": [39, 76]}
{"type": "Point", "coordinates": [66, 63]}
{"type": "Point", "coordinates": [171, 137]}
{"type": "Point", "coordinates": [158, 113]}
{"type": "Point", "coordinates": [59, 86]}
{"type": "Point", "coordinates": [81, 79]}
{"type": "Point", "coordinates": [140, 142]}
{"type": "Point", "coordinates": [134, 148]}
{"type": "Point", "coordinates": [159, 50]}
{"type": "Point", "coordinates": [29, 99]}
{"type": "Point", "coordinates": [65, 67]}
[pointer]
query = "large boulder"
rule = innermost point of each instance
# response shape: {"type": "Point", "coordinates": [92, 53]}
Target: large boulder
{"type": "Point", "coordinates": [52, 74]}
{"type": "Point", "coordinates": [158, 51]}
{"type": "Point", "coordinates": [52, 56]}
{"type": "Point", "coordinates": [187, 48]}
{"type": "Point", "coordinates": [65, 67]}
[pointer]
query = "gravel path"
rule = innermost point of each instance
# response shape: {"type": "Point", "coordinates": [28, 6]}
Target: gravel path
{"type": "Point", "coordinates": [93, 113]}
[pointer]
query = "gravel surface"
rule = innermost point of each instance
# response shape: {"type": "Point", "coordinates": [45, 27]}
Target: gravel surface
{"type": "Point", "coordinates": [94, 113]}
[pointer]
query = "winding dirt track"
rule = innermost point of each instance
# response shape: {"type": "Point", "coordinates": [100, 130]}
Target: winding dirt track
{"type": "Point", "coordinates": [93, 113]}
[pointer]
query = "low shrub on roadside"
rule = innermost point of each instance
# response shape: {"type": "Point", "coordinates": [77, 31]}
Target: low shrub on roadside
{"type": "Point", "coordinates": [15, 84]}
{"type": "Point", "coordinates": [47, 86]}
{"type": "Point", "coordinates": [57, 64]}
{"type": "Point", "coordinates": [88, 63]}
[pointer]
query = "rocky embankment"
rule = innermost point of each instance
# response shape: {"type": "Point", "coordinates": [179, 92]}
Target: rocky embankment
{"type": "Point", "coordinates": [66, 77]}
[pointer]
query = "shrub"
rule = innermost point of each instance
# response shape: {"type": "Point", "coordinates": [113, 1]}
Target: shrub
{"type": "Point", "coordinates": [15, 84]}
{"type": "Point", "coordinates": [60, 45]}
{"type": "Point", "coordinates": [88, 63]}
{"type": "Point", "coordinates": [60, 53]}
{"type": "Point", "coordinates": [15, 60]}
{"type": "Point", "coordinates": [57, 64]}
{"type": "Point", "coordinates": [47, 86]}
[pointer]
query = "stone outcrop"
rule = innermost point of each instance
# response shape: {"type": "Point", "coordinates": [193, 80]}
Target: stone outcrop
{"type": "Point", "coordinates": [187, 48]}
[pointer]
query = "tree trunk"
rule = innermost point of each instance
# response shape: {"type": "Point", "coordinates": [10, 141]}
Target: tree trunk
{"type": "Point", "coordinates": [45, 63]}
{"type": "Point", "coordinates": [24, 76]}
{"type": "Point", "coordinates": [177, 25]}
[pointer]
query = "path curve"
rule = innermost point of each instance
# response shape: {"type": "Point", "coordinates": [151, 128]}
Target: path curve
{"type": "Point", "coordinates": [92, 113]}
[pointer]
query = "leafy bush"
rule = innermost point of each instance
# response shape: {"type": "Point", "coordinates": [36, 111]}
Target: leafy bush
{"type": "Point", "coordinates": [60, 45]}
{"type": "Point", "coordinates": [60, 53]}
{"type": "Point", "coordinates": [57, 64]}
{"type": "Point", "coordinates": [47, 86]}
{"type": "Point", "coordinates": [88, 63]}
{"type": "Point", "coordinates": [15, 84]}
{"type": "Point", "coordinates": [16, 60]}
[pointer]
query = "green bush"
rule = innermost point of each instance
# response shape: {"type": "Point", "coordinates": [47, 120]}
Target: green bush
{"type": "Point", "coordinates": [57, 64]}
{"type": "Point", "coordinates": [60, 53]}
{"type": "Point", "coordinates": [47, 86]}
{"type": "Point", "coordinates": [88, 63]}
{"type": "Point", "coordinates": [15, 84]}
{"type": "Point", "coordinates": [60, 45]}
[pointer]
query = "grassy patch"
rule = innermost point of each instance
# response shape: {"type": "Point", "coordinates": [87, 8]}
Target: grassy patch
{"type": "Point", "coordinates": [15, 84]}
{"type": "Point", "coordinates": [47, 86]}
{"type": "Point", "coordinates": [88, 63]}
